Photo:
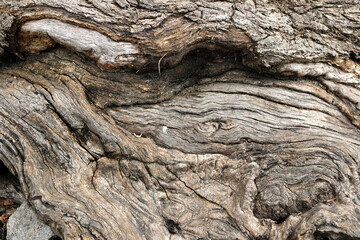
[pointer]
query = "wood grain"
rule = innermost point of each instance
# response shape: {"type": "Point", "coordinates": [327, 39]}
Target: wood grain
{"type": "Point", "coordinates": [184, 119]}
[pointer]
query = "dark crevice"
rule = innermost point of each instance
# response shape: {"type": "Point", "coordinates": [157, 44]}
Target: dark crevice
{"type": "Point", "coordinates": [7, 59]}
{"type": "Point", "coordinates": [6, 178]}
{"type": "Point", "coordinates": [4, 171]}
{"type": "Point", "coordinates": [281, 219]}
{"type": "Point", "coordinates": [9, 198]}
{"type": "Point", "coordinates": [354, 56]}
{"type": "Point", "coordinates": [55, 238]}
{"type": "Point", "coordinates": [332, 236]}
{"type": "Point", "coordinates": [196, 65]}
{"type": "Point", "coordinates": [172, 226]}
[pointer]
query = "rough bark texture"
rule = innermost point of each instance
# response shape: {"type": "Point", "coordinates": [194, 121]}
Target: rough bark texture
{"type": "Point", "coordinates": [154, 119]}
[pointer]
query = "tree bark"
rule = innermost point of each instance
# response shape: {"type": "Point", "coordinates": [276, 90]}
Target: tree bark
{"type": "Point", "coordinates": [185, 119]}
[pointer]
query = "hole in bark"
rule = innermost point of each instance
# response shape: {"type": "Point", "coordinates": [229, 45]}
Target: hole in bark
{"type": "Point", "coordinates": [7, 58]}
{"type": "Point", "coordinates": [3, 169]}
{"type": "Point", "coordinates": [355, 57]}
{"type": "Point", "coordinates": [321, 237]}
{"type": "Point", "coordinates": [6, 174]}
{"type": "Point", "coordinates": [332, 236]}
{"type": "Point", "coordinates": [204, 62]}
{"type": "Point", "coordinates": [172, 226]}
{"type": "Point", "coordinates": [55, 238]}
{"type": "Point", "coordinates": [281, 220]}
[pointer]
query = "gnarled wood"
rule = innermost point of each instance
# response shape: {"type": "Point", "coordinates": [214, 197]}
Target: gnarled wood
{"type": "Point", "coordinates": [184, 119]}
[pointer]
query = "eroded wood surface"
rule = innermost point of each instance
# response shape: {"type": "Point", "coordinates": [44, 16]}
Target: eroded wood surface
{"type": "Point", "coordinates": [244, 124]}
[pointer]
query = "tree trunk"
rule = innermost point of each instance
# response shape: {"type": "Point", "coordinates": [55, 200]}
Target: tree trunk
{"type": "Point", "coordinates": [154, 119]}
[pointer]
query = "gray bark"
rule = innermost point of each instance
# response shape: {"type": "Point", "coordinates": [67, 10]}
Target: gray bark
{"type": "Point", "coordinates": [184, 119]}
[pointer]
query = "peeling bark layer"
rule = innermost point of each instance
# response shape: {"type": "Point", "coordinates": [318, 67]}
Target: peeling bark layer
{"type": "Point", "coordinates": [182, 137]}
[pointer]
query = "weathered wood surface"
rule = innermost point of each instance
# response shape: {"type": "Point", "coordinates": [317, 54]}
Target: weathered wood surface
{"type": "Point", "coordinates": [184, 119]}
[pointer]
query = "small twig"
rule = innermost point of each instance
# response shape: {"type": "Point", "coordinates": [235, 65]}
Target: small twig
{"type": "Point", "coordinates": [160, 63]}
{"type": "Point", "coordinates": [330, 200]}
